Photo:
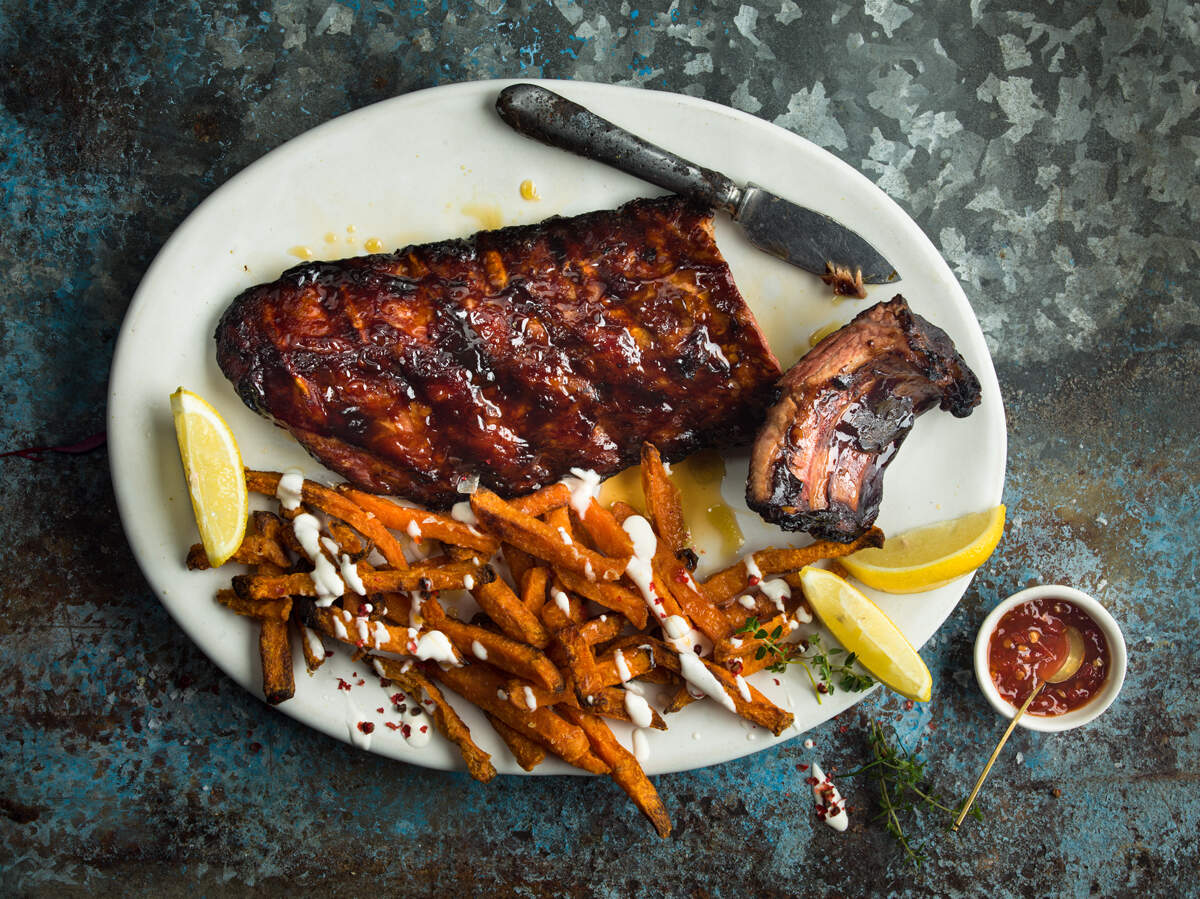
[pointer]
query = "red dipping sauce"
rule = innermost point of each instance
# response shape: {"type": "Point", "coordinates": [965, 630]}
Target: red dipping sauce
{"type": "Point", "coordinates": [1030, 641]}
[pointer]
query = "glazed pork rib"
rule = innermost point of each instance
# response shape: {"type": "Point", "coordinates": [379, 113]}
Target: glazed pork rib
{"type": "Point", "coordinates": [844, 409]}
{"type": "Point", "coordinates": [513, 355]}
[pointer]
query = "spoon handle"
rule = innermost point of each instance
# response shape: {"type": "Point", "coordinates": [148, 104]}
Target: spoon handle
{"type": "Point", "coordinates": [995, 754]}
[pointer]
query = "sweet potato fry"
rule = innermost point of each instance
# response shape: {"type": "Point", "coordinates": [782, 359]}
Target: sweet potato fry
{"type": "Point", "coordinates": [482, 685]}
{"type": "Point", "coordinates": [496, 649]}
{"type": "Point", "coordinates": [518, 561]}
{"type": "Point", "coordinates": [533, 588]}
{"type": "Point", "coordinates": [448, 576]}
{"type": "Point", "coordinates": [311, 646]}
{"type": "Point", "coordinates": [758, 709]}
{"type": "Point", "coordinates": [333, 503]}
{"type": "Point", "coordinates": [278, 609]}
{"type": "Point", "coordinates": [691, 597]}
{"type": "Point", "coordinates": [726, 585]}
{"type": "Point", "coordinates": [253, 550]}
{"type": "Point", "coordinates": [419, 524]}
{"type": "Point", "coordinates": [611, 596]}
{"type": "Point", "coordinates": [601, 628]}
{"type": "Point", "coordinates": [539, 539]}
{"type": "Point", "coordinates": [365, 633]}
{"type": "Point", "coordinates": [554, 616]}
{"type": "Point", "coordinates": [540, 502]}
{"type": "Point", "coordinates": [527, 696]}
{"type": "Point", "coordinates": [527, 753]}
{"type": "Point", "coordinates": [609, 702]}
{"type": "Point", "coordinates": [275, 652]}
{"type": "Point", "coordinates": [445, 719]}
{"type": "Point", "coordinates": [625, 768]}
{"type": "Point", "coordinates": [577, 654]}
{"type": "Point", "coordinates": [664, 507]}
{"type": "Point", "coordinates": [505, 608]}
{"type": "Point", "coordinates": [605, 531]}
{"type": "Point", "coordinates": [637, 660]}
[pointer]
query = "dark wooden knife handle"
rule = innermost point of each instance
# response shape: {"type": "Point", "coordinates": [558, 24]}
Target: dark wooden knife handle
{"type": "Point", "coordinates": [554, 120]}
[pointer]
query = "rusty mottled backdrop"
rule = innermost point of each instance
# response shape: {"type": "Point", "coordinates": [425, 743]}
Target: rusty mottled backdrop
{"type": "Point", "coordinates": [1051, 151]}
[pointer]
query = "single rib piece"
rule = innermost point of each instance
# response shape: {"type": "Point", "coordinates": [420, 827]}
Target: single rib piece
{"type": "Point", "coordinates": [844, 410]}
{"type": "Point", "coordinates": [513, 355]}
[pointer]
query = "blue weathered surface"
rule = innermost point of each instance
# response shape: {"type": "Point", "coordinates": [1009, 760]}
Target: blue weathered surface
{"type": "Point", "coordinates": [1051, 152]}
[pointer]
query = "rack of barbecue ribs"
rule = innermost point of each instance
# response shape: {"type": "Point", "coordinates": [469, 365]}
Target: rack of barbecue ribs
{"type": "Point", "coordinates": [843, 411]}
{"type": "Point", "coordinates": [511, 356]}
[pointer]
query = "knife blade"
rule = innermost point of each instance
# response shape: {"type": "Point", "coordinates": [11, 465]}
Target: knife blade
{"type": "Point", "coordinates": [804, 237]}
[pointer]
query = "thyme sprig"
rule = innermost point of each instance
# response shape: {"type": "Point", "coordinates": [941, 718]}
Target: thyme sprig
{"type": "Point", "coordinates": [902, 794]}
{"type": "Point", "coordinates": [819, 663]}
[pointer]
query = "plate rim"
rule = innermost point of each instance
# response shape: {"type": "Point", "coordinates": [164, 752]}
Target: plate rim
{"type": "Point", "coordinates": [142, 298]}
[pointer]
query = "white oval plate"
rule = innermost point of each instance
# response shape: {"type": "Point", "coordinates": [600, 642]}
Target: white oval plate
{"type": "Point", "coordinates": [439, 163]}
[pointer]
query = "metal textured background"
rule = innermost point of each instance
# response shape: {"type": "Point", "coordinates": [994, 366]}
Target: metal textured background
{"type": "Point", "coordinates": [1051, 151]}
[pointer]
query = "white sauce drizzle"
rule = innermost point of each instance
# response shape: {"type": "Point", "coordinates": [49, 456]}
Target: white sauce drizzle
{"type": "Point", "coordinates": [776, 590]}
{"type": "Point", "coordinates": [462, 512]}
{"type": "Point", "coordinates": [752, 569]}
{"type": "Point", "coordinates": [640, 567]}
{"type": "Point", "coordinates": [747, 602]}
{"type": "Point", "coordinates": [415, 618]}
{"type": "Point", "coordinates": [351, 576]}
{"type": "Point", "coordinates": [623, 671]}
{"type": "Point", "coordinates": [378, 665]}
{"type": "Point", "coordinates": [324, 576]}
{"type": "Point", "coordinates": [566, 538]}
{"type": "Point", "coordinates": [584, 487]}
{"type": "Point", "coordinates": [315, 647]}
{"type": "Point", "coordinates": [339, 629]}
{"type": "Point", "coordinates": [331, 545]}
{"type": "Point", "coordinates": [363, 627]}
{"type": "Point", "coordinates": [413, 530]}
{"type": "Point", "coordinates": [743, 687]}
{"type": "Point", "coordinates": [563, 603]}
{"type": "Point", "coordinates": [480, 650]}
{"type": "Point", "coordinates": [382, 635]}
{"type": "Point", "coordinates": [827, 797]}
{"type": "Point", "coordinates": [638, 709]}
{"type": "Point", "coordinates": [290, 489]}
{"type": "Point", "coordinates": [530, 700]}
{"type": "Point", "coordinates": [802, 614]}
{"type": "Point", "coordinates": [641, 746]}
{"type": "Point", "coordinates": [468, 582]}
{"type": "Point", "coordinates": [434, 645]}
{"type": "Point", "coordinates": [588, 571]}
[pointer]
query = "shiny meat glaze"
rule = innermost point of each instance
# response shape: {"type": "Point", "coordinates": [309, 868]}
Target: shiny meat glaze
{"type": "Point", "coordinates": [515, 354]}
{"type": "Point", "coordinates": [844, 410]}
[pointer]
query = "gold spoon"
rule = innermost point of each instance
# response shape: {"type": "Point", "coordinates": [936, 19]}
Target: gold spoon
{"type": "Point", "coordinates": [1064, 672]}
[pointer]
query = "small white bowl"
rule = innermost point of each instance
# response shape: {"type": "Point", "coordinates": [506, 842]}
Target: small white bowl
{"type": "Point", "coordinates": [1081, 715]}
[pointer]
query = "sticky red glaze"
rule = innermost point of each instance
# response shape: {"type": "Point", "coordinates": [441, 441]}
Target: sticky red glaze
{"type": "Point", "coordinates": [513, 355]}
{"type": "Point", "coordinates": [1030, 641]}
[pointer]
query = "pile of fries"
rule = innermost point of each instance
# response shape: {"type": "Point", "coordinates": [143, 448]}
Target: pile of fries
{"type": "Point", "coordinates": [572, 620]}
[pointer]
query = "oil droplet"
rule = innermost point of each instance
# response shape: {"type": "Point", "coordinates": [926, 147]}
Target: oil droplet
{"type": "Point", "coordinates": [373, 245]}
{"type": "Point", "coordinates": [330, 237]}
{"type": "Point", "coordinates": [350, 229]}
{"type": "Point", "coordinates": [301, 252]}
{"type": "Point", "coordinates": [821, 333]}
{"type": "Point", "coordinates": [487, 214]}
{"type": "Point", "coordinates": [529, 191]}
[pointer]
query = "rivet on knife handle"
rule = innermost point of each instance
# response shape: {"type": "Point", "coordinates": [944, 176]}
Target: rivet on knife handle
{"type": "Point", "coordinates": [553, 119]}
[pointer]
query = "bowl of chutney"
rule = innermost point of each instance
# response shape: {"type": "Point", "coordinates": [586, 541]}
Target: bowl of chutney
{"type": "Point", "coordinates": [1024, 640]}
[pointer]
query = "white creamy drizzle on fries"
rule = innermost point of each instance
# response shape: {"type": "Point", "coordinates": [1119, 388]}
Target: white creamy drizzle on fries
{"type": "Point", "coordinates": [351, 576]}
{"type": "Point", "coordinates": [315, 647]}
{"type": "Point", "coordinates": [290, 490]}
{"type": "Point", "coordinates": [641, 746]}
{"type": "Point", "coordinates": [638, 709]}
{"type": "Point", "coordinates": [464, 514]}
{"type": "Point", "coordinates": [324, 576]}
{"type": "Point", "coordinates": [623, 671]}
{"type": "Point", "coordinates": [584, 487]}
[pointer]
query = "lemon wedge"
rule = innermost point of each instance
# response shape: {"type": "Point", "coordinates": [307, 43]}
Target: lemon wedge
{"type": "Point", "coordinates": [216, 479]}
{"type": "Point", "coordinates": [863, 628]}
{"type": "Point", "coordinates": [929, 556]}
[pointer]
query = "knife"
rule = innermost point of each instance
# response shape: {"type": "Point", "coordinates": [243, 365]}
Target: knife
{"type": "Point", "coordinates": [805, 238]}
